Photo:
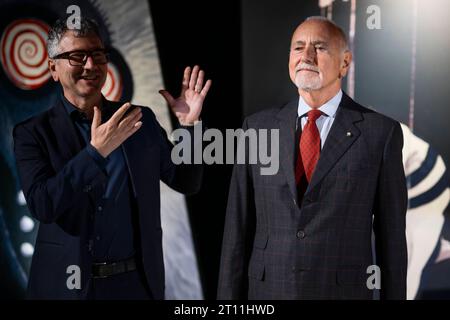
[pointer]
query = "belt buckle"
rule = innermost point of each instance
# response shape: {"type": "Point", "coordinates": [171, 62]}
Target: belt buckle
{"type": "Point", "coordinates": [99, 273]}
{"type": "Point", "coordinates": [107, 269]}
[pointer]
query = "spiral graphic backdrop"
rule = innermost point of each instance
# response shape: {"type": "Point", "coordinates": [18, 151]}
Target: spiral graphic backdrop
{"type": "Point", "coordinates": [112, 89]}
{"type": "Point", "coordinates": [24, 54]}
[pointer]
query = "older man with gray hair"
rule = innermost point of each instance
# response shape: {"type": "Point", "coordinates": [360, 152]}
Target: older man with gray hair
{"type": "Point", "coordinates": [305, 232]}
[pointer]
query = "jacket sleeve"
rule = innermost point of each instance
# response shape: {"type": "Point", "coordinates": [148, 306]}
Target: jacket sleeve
{"type": "Point", "coordinates": [185, 178]}
{"type": "Point", "coordinates": [52, 195]}
{"type": "Point", "coordinates": [389, 219]}
{"type": "Point", "coordinates": [238, 233]}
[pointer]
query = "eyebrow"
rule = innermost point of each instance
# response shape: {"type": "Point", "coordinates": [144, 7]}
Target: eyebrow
{"type": "Point", "coordinates": [314, 42]}
{"type": "Point", "coordinates": [89, 50]}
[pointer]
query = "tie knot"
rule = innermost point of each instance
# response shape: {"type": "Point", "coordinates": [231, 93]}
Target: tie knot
{"type": "Point", "coordinates": [313, 115]}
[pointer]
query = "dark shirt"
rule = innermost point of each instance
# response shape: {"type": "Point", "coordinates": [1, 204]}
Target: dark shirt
{"type": "Point", "coordinates": [114, 220]}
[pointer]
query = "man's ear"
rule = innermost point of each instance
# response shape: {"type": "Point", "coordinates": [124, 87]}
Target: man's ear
{"type": "Point", "coordinates": [52, 68]}
{"type": "Point", "coordinates": [347, 60]}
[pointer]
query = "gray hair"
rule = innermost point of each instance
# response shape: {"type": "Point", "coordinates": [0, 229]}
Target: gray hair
{"type": "Point", "coordinates": [87, 27]}
{"type": "Point", "coordinates": [341, 34]}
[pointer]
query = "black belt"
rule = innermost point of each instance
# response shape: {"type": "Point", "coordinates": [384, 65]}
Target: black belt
{"type": "Point", "coordinates": [107, 269]}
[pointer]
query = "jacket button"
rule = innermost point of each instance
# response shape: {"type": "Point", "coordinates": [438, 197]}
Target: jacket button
{"type": "Point", "coordinates": [87, 188]}
{"type": "Point", "coordinates": [301, 234]}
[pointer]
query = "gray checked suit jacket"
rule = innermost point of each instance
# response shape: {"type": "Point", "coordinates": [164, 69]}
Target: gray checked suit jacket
{"type": "Point", "coordinates": [276, 247]}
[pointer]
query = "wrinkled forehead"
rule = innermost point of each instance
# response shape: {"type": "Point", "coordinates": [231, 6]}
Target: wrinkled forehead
{"type": "Point", "coordinates": [316, 31]}
{"type": "Point", "coordinates": [71, 41]}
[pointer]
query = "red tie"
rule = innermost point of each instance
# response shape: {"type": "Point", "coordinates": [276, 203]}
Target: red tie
{"type": "Point", "coordinates": [309, 147]}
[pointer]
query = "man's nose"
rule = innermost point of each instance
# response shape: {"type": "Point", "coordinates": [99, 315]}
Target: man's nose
{"type": "Point", "coordinates": [89, 63]}
{"type": "Point", "coordinates": [309, 55]}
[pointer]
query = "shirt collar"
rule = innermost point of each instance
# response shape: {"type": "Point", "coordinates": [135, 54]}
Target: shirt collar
{"type": "Point", "coordinates": [70, 108]}
{"type": "Point", "coordinates": [329, 108]}
{"type": "Point", "coordinates": [76, 114]}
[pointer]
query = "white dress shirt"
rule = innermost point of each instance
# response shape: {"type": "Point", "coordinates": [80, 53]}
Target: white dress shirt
{"type": "Point", "coordinates": [325, 121]}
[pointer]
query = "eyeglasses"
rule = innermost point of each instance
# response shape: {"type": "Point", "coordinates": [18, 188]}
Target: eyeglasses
{"type": "Point", "coordinates": [79, 58]}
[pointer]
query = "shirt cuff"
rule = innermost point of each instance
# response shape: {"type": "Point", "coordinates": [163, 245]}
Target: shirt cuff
{"type": "Point", "coordinates": [98, 158]}
{"type": "Point", "coordinates": [189, 125]}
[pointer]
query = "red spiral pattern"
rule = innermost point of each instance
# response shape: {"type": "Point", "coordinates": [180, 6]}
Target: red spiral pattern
{"type": "Point", "coordinates": [113, 87]}
{"type": "Point", "coordinates": [24, 54]}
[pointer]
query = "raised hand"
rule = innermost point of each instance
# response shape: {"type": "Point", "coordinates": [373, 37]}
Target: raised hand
{"type": "Point", "coordinates": [188, 106]}
{"type": "Point", "coordinates": [106, 137]}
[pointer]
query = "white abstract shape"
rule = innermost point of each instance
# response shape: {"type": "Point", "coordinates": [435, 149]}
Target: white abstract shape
{"type": "Point", "coordinates": [26, 224]}
{"type": "Point", "coordinates": [27, 249]}
{"type": "Point", "coordinates": [430, 180]}
{"type": "Point", "coordinates": [414, 150]}
{"type": "Point", "coordinates": [351, 45]}
{"type": "Point", "coordinates": [325, 3]}
{"type": "Point", "coordinates": [444, 253]}
{"type": "Point", "coordinates": [423, 229]}
{"type": "Point", "coordinates": [132, 35]}
{"type": "Point", "coordinates": [182, 276]}
{"type": "Point", "coordinates": [21, 198]}
{"type": "Point", "coordinates": [424, 223]}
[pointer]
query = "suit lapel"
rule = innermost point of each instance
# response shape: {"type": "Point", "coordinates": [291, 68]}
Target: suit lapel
{"type": "Point", "coordinates": [129, 155]}
{"type": "Point", "coordinates": [287, 118]}
{"type": "Point", "coordinates": [342, 135]}
{"type": "Point", "coordinates": [65, 132]}
{"type": "Point", "coordinates": [129, 148]}
{"type": "Point", "coordinates": [139, 161]}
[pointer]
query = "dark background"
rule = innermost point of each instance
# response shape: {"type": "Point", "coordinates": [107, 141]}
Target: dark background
{"type": "Point", "coordinates": [205, 33]}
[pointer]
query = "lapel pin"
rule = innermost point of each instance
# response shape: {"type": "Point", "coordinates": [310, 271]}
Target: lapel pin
{"type": "Point", "coordinates": [349, 134]}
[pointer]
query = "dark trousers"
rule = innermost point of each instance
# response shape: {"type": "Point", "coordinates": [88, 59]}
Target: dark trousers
{"type": "Point", "coordinates": [125, 286]}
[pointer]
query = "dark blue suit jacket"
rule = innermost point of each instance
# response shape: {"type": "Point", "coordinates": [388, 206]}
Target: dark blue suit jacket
{"type": "Point", "coordinates": [61, 182]}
